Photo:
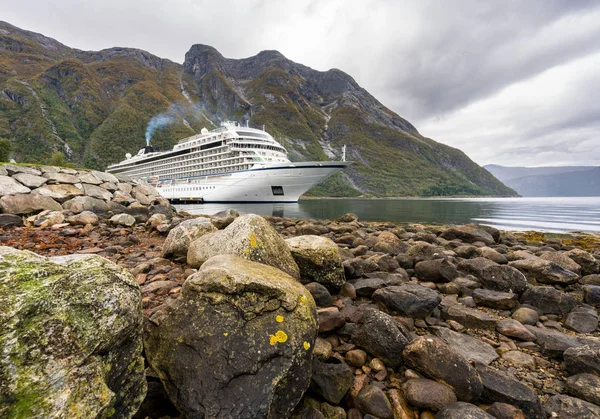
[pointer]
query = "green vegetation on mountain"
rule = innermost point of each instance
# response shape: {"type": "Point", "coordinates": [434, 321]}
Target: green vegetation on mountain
{"type": "Point", "coordinates": [5, 149]}
{"type": "Point", "coordinates": [93, 107]}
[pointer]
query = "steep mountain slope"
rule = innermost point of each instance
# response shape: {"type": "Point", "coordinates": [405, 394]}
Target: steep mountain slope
{"type": "Point", "coordinates": [550, 181]}
{"type": "Point", "coordinates": [96, 106]}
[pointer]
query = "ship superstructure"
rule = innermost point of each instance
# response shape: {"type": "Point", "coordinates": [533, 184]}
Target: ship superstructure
{"type": "Point", "coordinates": [231, 163]}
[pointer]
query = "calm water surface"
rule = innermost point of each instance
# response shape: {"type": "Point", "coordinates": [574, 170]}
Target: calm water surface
{"type": "Point", "coordinates": [546, 214]}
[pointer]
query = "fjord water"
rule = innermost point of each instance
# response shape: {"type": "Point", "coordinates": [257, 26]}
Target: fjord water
{"type": "Point", "coordinates": [543, 214]}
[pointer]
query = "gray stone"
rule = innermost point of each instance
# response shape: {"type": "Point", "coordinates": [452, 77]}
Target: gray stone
{"type": "Point", "coordinates": [9, 186]}
{"type": "Point", "coordinates": [318, 259]}
{"type": "Point", "coordinates": [27, 204]}
{"type": "Point", "coordinates": [526, 315]}
{"type": "Point", "coordinates": [593, 279]}
{"type": "Point", "coordinates": [331, 380]}
{"type": "Point", "coordinates": [491, 254]}
{"type": "Point", "coordinates": [410, 300]}
{"type": "Point", "coordinates": [236, 343]}
{"type": "Point", "coordinates": [378, 334]}
{"type": "Point", "coordinates": [436, 270]}
{"type": "Point", "coordinates": [437, 360]}
{"type": "Point", "coordinates": [475, 266]}
{"type": "Point", "coordinates": [548, 299]}
{"type": "Point", "coordinates": [373, 401]}
{"type": "Point", "coordinates": [584, 386]}
{"type": "Point", "coordinates": [249, 236]}
{"type": "Point", "coordinates": [495, 299]}
{"type": "Point", "coordinates": [462, 410]}
{"type": "Point", "coordinates": [428, 394]}
{"type": "Point", "coordinates": [583, 359]}
{"type": "Point", "coordinates": [320, 294]}
{"type": "Point", "coordinates": [562, 260]}
{"type": "Point", "coordinates": [122, 220]}
{"type": "Point", "coordinates": [178, 241]}
{"type": "Point", "coordinates": [57, 177]}
{"type": "Point", "coordinates": [519, 359]}
{"type": "Point", "coordinates": [10, 220]}
{"type": "Point", "coordinates": [582, 320]}
{"type": "Point", "coordinates": [589, 264]}
{"type": "Point", "coordinates": [59, 192]}
{"type": "Point", "coordinates": [31, 181]}
{"type": "Point", "coordinates": [468, 234]}
{"type": "Point", "coordinates": [544, 272]}
{"type": "Point", "coordinates": [503, 278]}
{"type": "Point", "coordinates": [365, 287]}
{"type": "Point", "coordinates": [85, 203]}
{"type": "Point", "coordinates": [498, 387]}
{"type": "Point", "coordinates": [87, 177]}
{"type": "Point", "coordinates": [565, 407]}
{"type": "Point", "coordinates": [85, 217]}
{"type": "Point", "coordinates": [468, 317]}
{"type": "Point", "coordinates": [592, 295]}
{"type": "Point", "coordinates": [70, 337]}
{"type": "Point", "coordinates": [471, 348]}
{"type": "Point", "coordinates": [12, 169]}
{"type": "Point", "coordinates": [97, 192]}
{"type": "Point", "coordinates": [555, 343]}
{"type": "Point", "coordinates": [105, 177]}
{"type": "Point", "coordinates": [515, 329]}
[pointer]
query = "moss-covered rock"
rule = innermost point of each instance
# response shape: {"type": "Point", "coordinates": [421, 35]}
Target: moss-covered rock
{"type": "Point", "coordinates": [250, 237]}
{"type": "Point", "coordinates": [70, 337]}
{"type": "Point", "coordinates": [319, 260]}
{"type": "Point", "coordinates": [237, 343]}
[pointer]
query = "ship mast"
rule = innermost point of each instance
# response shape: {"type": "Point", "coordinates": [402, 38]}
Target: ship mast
{"type": "Point", "coordinates": [344, 152]}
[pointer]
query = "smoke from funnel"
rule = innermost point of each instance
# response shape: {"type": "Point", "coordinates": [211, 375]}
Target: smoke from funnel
{"type": "Point", "coordinates": [156, 122]}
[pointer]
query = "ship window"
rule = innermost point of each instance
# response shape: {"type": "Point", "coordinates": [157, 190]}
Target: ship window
{"type": "Point", "coordinates": [277, 190]}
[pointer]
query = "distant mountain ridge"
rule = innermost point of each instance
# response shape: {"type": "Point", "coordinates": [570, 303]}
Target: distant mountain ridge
{"type": "Point", "coordinates": [94, 107]}
{"type": "Point", "coordinates": [550, 181]}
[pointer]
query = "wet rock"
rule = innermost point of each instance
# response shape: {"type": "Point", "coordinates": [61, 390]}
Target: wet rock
{"type": "Point", "coordinates": [585, 387]}
{"type": "Point", "coordinates": [526, 315]}
{"type": "Point", "coordinates": [462, 410]}
{"type": "Point", "coordinates": [505, 411]}
{"type": "Point", "coordinates": [122, 220]}
{"type": "Point", "coordinates": [582, 319]}
{"type": "Point", "coordinates": [27, 204]}
{"type": "Point", "coordinates": [549, 300]}
{"type": "Point", "coordinates": [502, 278]}
{"type": "Point", "coordinates": [498, 387]}
{"type": "Point", "coordinates": [544, 272]}
{"type": "Point", "coordinates": [436, 270]}
{"type": "Point", "coordinates": [83, 218]}
{"type": "Point", "coordinates": [85, 203]}
{"type": "Point", "coordinates": [583, 359]}
{"type": "Point", "coordinates": [318, 259]}
{"type": "Point", "coordinates": [591, 295]}
{"type": "Point", "coordinates": [471, 348]}
{"type": "Point", "coordinates": [372, 400]}
{"type": "Point", "coordinates": [331, 380]}
{"type": "Point", "coordinates": [9, 186]}
{"type": "Point", "coordinates": [93, 308]}
{"type": "Point", "coordinates": [410, 300]}
{"type": "Point", "coordinates": [250, 237]}
{"type": "Point", "coordinates": [515, 329]}
{"type": "Point", "coordinates": [264, 321]}
{"type": "Point", "coordinates": [428, 394]}
{"type": "Point", "coordinates": [378, 334]}
{"type": "Point", "coordinates": [565, 407]}
{"type": "Point", "coordinates": [495, 299]}
{"type": "Point", "coordinates": [178, 241]}
{"type": "Point", "coordinates": [468, 234]}
{"type": "Point", "coordinates": [435, 359]}
{"type": "Point", "coordinates": [320, 294]}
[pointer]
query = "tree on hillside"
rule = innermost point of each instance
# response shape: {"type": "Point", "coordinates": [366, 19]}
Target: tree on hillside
{"type": "Point", "coordinates": [59, 159]}
{"type": "Point", "coordinates": [5, 149]}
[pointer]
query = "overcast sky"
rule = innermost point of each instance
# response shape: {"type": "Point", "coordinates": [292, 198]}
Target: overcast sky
{"type": "Point", "coordinates": [508, 82]}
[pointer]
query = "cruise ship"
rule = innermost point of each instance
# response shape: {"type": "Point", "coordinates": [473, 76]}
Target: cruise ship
{"type": "Point", "coordinates": [233, 163]}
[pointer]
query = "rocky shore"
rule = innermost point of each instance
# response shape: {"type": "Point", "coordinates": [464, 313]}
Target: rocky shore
{"type": "Point", "coordinates": [245, 316]}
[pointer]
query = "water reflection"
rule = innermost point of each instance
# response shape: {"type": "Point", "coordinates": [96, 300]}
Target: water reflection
{"type": "Point", "coordinates": [548, 214]}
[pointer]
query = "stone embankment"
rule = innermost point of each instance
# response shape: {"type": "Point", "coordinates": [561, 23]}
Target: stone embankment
{"type": "Point", "coordinates": [246, 316]}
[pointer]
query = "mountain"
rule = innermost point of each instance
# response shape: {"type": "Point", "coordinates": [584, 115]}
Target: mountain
{"type": "Point", "coordinates": [550, 181]}
{"type": "Point", "coordinates": [95, 106]}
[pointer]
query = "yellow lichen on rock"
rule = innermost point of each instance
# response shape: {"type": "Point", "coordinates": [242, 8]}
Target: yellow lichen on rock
{"type": "Point", "coordinates": [279, 337]}
{"type": "Point", "coordinates": [279, 319]}
{"type": "Point", "coordinates": [306, 346]}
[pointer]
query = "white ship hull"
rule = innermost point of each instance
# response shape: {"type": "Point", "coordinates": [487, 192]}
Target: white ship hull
{"type": "Point", "coordinates": [274, 183]}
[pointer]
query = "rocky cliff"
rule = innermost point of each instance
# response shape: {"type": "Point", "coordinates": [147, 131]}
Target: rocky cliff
{"type": "Point", "coordinates": [95, 106]}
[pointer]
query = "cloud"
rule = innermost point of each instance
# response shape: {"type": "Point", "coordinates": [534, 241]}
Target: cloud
{"type": "Point", "coordinates": [475, 75]}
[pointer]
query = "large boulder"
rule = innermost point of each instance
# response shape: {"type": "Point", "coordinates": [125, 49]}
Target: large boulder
{"type": "Point", "coordinates": [97, 192]}
{"type": "Point", "coordinates": [29, 180]}
{"type": "Point", "coordinates": [85, 203]}
{"type": "Point", "coordinates": [502, 278]}
{"type": "Point", "coordinates": [589, 264]}
{"type": "Point", "coordinates": [59, 192]}
{"type": "Point", "coordinates": [9, 186]}
{"type": "Point", "coordinates": [583, 359]}
{"type": "Point", "coordinates": [544, 272]}
{"type": "Point", "coordinates": [471, 348]}
{"type": "Point", "coordinates": [70, 335]}
{"type": "Point", "coordinates": [561, 259]}
{"type": "Point", "coordinates": [437, 360]}
{"type": "Point", "coordinates": [549, 300]}
{"type": "Point", "coordinates": [179, 239]}
{"type": "Point", "coordinates": [468, 234]}
{"type": "Point", "coordinates": [318, 259]}
{"type": "Point", "coordinates": [250, 237]}
{"type": "Point", "coordinates": [565, 407]}
{"type": "Point", "coordinates": [236, 343]}
{"type": "Point", "coordinates": [410, 300]}
{"type": "Point", "coordinates": [28, 204]}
